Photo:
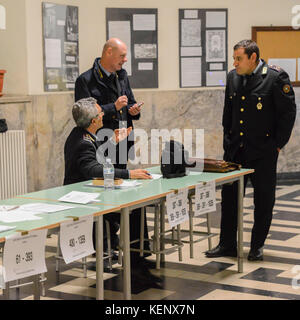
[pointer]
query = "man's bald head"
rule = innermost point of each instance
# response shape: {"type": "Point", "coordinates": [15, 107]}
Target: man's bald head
{"type": "Point", "coordinates": [113, 55]}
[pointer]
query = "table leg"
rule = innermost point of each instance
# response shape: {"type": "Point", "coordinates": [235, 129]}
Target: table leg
{"type": "Point", "coordinates": [36, 287]}
{"type": "Point", "coordinates": [126, 254]}
{"type": "Point", "coordinates": [99, 259]}
{"type": "Point", "coordinates": [240, 223]}
{"type": "Point", "coordinates": [162, 230]}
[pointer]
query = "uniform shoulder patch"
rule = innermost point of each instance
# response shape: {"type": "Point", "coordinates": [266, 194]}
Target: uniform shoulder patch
{"type": "Point", "coordinates": [286, 88]}
{"type": "Point", "coordinates": [276, 68]}
{"type": "Point", "coordinates": [87, 137]}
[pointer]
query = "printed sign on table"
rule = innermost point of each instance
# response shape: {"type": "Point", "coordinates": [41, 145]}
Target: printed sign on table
{"type": "Point", "coordinates": [177, 209]}
{"type": "Point", "coordinates": [205, 198]}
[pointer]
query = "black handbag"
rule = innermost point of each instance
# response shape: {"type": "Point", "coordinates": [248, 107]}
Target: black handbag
{"type": "Point", "coordinates": [3, 125]}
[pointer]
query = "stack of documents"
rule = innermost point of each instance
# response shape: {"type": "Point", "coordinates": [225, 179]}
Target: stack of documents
{"type": "Point", "coordinates": [79, 197]}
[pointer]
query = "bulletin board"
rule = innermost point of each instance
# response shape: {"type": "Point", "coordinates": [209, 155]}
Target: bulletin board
{"type": "Point", "coordinates": [280, 46]}
{"type": "Point", "coordinates": [203, 47]}
{"type": "Point", "coordinates": [60, 46]}
{"type": "Point", "coordinates": [137, 28]}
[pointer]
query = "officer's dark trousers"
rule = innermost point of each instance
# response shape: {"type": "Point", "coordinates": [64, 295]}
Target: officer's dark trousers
{"type": "Point", "coordinates": [264, 184]}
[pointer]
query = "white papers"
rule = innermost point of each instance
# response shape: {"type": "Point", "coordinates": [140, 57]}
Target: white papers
{"type": "Point", "coordinates": [145, 51]}
{"type": "Point", "coordinates": [145, 66]}
{"type": "Point", "coordinates": [177, 210]}
{"type": "Point", "coordinates": [129, 183]}
{"type": "Point", "coordinates": [190, 51]}
{"type": "Point", "coordinates": [205, 198]}
{"type": "Point", "coordinates": [190, 14]}
{"type": "Point", "coordinates": [144, 22]}
{"type": "Point", "coordinates": [216, 66]}
{"type": "Point", "coordinates": [61, 23]}
{"type": "Point", "coordinates": [44, 207]}
{"type": "Point", "coordinates": [191, 32]}
{"type": "Point", "coordinates": [17, 215]}
{"type": "Point", "coordinates": [215, 45]}
{"type": "Point", "coordinates": [24, 256]}
{"type": "Point", "coordinates": [79, 197]}
{"type": "Point", "coordinates": [215, 78]}
{"type": "Point", "coordinates": [8, 208]}
{"type": "Point", "coordinates": [76, 240]}
{"type": "Point", "coordinates": [215, 19]}
{"type": "Point", "coordinates": [6, 228]}
{"type": "Point", "coordinates": [156, 176]}
{"type": "Point", "coordinates": [288, 65]}
{"type": "Point", "coordinates": [121, 30]}
{"type": "Point", "coordinates": [53, 53]}
{"type": "Point", "coordinates": [191, 72]}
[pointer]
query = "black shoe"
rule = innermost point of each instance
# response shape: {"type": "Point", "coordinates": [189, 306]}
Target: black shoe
{"type": "Point", "coordinates": [220, 251]}
{"type": "Point", "coordinates": [256, 255]}
{"type": "Point", "coordinates": [140, 267]}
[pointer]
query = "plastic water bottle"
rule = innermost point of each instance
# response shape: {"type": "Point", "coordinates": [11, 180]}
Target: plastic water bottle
{"type": "Point", "coordinates": [108, 174]}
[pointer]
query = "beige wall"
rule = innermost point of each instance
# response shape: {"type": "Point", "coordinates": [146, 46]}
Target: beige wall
{"type": "Point", "coordinates": [22, 50]}
{"type": "Point", "coordinates": [13, 47]}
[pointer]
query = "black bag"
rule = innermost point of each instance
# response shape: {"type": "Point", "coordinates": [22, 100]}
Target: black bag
{"type": "Point", "coordinates": [3, 125]}
{"type": "Point", "coordinates": [174, 160]}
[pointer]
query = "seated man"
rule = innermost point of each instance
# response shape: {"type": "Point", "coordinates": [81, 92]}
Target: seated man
{"type": "Point", "coordinates": [81, 163]}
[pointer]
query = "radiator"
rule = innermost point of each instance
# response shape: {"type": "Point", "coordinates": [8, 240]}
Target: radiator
{"type": "Point", "coordinates": [13, 177]}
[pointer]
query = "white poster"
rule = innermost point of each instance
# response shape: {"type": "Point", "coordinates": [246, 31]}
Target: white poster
{"type": "Point", "coordinates": [216, 78]}
{"type": "Point", "coordinates": [76, 239]}
{"type": "Point", "coordinates": [144, 22]}
{"type": "Point", "coordinates": [191, 72]}
{"type": "Point", "coordinates": [191, 32]}
{"type": "Point", "coordinates": [215, 45]}
{"type": "Point", "coordinates": [24, 255]}
{"type": "Point", "coordinates": [191, 51]}
{"type": "Point", "coordinates": [53, 53]}
{"type": "Point", "coordinates": [288, 65]}
{"type": "Point", "coordinates": [215, 19]}
{"type": "Point", "coordinates": [190, 14]}
{"type": "Point", "coordinates": [145, 66]}
{"type": "Point", "coordinates": [121, 30]}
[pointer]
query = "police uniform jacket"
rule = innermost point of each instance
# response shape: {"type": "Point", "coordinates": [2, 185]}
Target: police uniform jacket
{"type": "Point", "coordinates": [80, 158]}
{"type": "Point", "coordinates": [106, 90]}
{"type": "Point", "coordinates": [259, 116]}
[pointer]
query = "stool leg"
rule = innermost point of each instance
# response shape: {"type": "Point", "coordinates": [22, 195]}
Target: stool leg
{"type": "Point", "coordinates": [84, 267]}
{"type": "Point", "coordinates": [162, 230]}
{"type": "Point", "coordinates": [108, 244]}
{"type": "Point", "coordinates": [142, 232]}
{"type": "Point", "coordinates": [43, 285]}
{"type": "Point", "coordinates": [179, 242]}
{"type": "Point", "coordinates": [6, 291]}
{"type": "Point", "coordinates": [57, 253]}
{"type": "Point", "coordinates": [156, 236]}
{"type": "Point", "coordinates": [173, 236]}
{"type": "Point", "coordinates": [191, 228]}
{"type": "Point", "coordinates": [208, 230]}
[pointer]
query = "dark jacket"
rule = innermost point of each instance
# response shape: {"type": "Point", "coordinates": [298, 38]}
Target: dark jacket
{"type": "Point", "coordinates": [80, 158]}
{"type": "Point", "coordinates": [259, 116]}
{"type": "Point", "coordinates": [95, 83]}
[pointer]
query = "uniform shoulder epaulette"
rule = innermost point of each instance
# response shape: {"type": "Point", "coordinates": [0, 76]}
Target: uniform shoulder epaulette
{"type": "Point", "coordinates": [276, 68]}
{"type": "Point", "coordinates": [87, 137]}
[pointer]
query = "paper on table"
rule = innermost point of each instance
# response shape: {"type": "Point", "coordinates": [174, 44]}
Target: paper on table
{"type": "Point", "coordinates": [44, 207]}
{"type": "Point", "coordinates": [125, 184]}
{"type": "Point", "coordinates": [17, 216]}
{"type": "Point", "coordinates": [8, 208]}
{"type": "Point", "coordinates": [6, 228]}
{"type": "Point", "coordinates": [156, 176]}
{"type": "Point", "coordinates": [79, 197]}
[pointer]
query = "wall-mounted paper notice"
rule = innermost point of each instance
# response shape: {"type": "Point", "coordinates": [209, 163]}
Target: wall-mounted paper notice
{"type": "Point", "coordinates": [191, 32]}
{"type": "Point", "coordinates": [216, 66]}
{"type": "Point", "coordinates": [190, 14]}
{"type": "Point", "coordinates": [215, 19]}
{"type": "Point", "coordinates": [191, 51]}
{"type": "Point", "coordinates": [288, 65]}
{"type": "Point", "coordinates": [144, 22]}
{"type": "Point", "coordinates": [121, 30]}
{"type": "Point", "coordinates": [216, 78]}
{"type": "Point", "coordinates": [53, 53]}
{"type": "Point", "coordinates": [191, 72]}
{"type": "Point", "coordinates": [145, 66]}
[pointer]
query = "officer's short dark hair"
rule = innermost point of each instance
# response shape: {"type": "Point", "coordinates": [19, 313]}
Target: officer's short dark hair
{"type": "Point", "coordinates": [249, 46]}
{"type": "Point", "coordinates": [84, 110]}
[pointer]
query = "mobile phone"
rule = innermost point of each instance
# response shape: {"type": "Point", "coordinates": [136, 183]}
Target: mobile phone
{"type": "Point", "coordinates": [140, 104]}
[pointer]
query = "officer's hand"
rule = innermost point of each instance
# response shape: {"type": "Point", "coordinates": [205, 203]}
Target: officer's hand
{"type": "Point", "coordinates": [121, 102]}
{"type": "Point", "coordinates": [121, 134]}
{"type": "Point", "coordinates": [139, 174]}
{"type": "Point", "coordinates": [278, 149]}
{"type": "Point", "coordinates": [135, 109]}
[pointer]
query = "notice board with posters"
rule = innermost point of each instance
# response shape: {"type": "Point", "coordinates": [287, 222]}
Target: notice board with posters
{"type": "Point", "coordinates": [137, 28]}
{"type": "Point", "coordinates": [60, 46]}
{"type": "Point", "coordinates": [203, 47]}
{"type": "Point", "coordinates": [280, 46]}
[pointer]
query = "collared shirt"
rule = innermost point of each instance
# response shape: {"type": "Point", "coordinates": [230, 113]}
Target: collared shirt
{"type": "Point", "coordinates": [260, 63]}
{"type": "Point", "coordinates": [104, 70]}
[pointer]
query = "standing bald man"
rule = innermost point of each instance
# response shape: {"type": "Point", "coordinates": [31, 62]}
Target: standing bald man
{"type": "Point", "coordinates": [108, 83]}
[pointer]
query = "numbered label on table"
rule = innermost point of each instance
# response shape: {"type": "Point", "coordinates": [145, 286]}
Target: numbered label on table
{"type": "Point", "coordinates": [76, 239]}
{"type": "Point", "coordinates": [205, 198]}
{"type": "Point", "coordinates": [177, 209]}
{"type": "Point", "coordinates": [24, 255]}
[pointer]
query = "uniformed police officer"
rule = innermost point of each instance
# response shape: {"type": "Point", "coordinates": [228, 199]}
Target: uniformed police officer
{"type": "Point", "coordinates": [259, 114]}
